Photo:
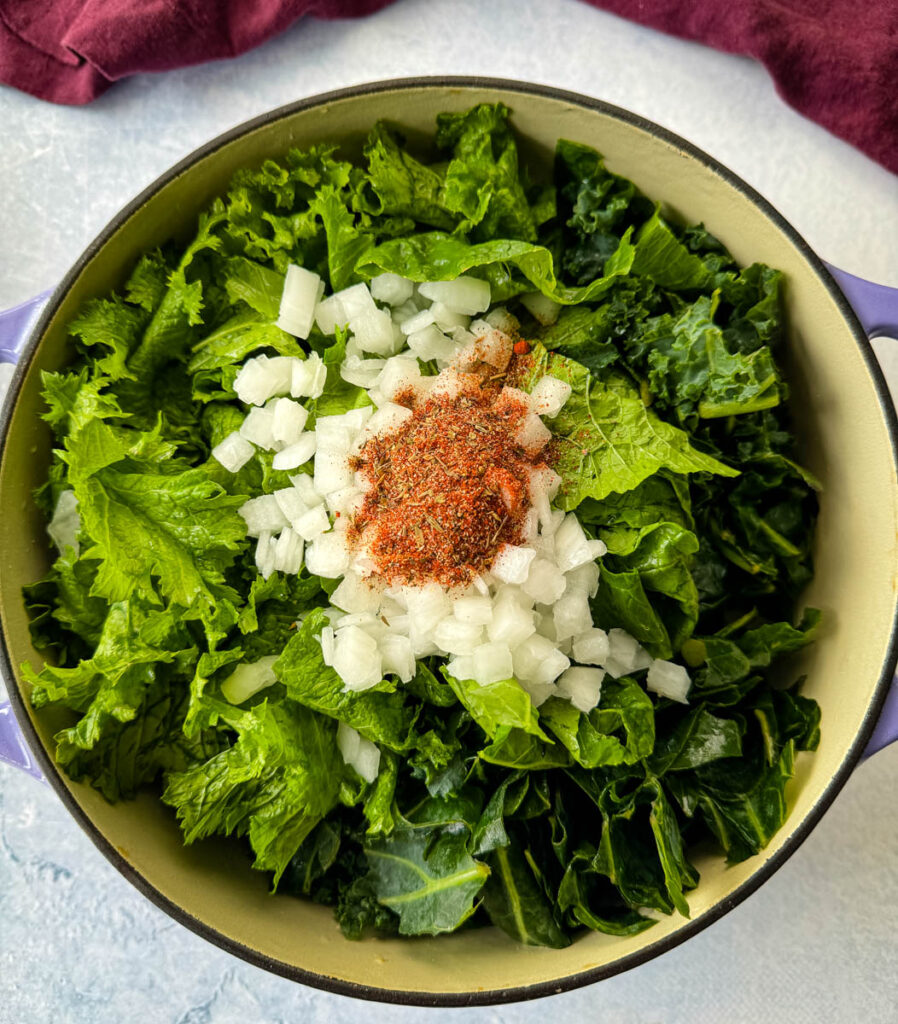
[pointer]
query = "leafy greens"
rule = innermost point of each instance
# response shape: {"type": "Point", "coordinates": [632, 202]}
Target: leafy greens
{"type": "Point", "coordinates": [674, 449]}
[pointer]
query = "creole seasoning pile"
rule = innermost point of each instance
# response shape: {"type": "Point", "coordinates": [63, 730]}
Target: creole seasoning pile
{"type": "Point", "coordinates": [448, 488]}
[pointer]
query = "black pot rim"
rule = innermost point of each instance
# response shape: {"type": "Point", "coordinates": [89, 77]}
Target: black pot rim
{"type": "Point", "coordinates": [587, 977]}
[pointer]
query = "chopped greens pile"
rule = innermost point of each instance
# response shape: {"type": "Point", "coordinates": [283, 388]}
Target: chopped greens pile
{"type": "Point", "coordinates": [674, 450]}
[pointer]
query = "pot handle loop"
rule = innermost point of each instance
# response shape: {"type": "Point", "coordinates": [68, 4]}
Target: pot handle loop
{"type": "Point", "coordinates": [13, 748]}
{"type": "Point", "coordinates": [876, 306]}
{"type": "Point", "coordinates": [16, 324]}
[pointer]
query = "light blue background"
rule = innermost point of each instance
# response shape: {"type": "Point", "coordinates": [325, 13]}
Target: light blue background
{"type": "Point", "coordinates": [77, 943]}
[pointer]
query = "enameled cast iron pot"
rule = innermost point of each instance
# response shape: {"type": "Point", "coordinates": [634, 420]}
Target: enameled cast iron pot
{"type": "Point", "coordinates": [848, 432]}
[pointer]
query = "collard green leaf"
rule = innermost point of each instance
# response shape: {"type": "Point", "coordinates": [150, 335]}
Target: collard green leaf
{"type": "Point", "coordinates": [489, 832]}
{"type": "Point", "coordinates": [314, 858]}
{"type": "Point", "coordinates": [698, 738]}
{"type": "Point", "coordinates": [515, 902]}
{"type": "Point", "coordinates": [452, 812]}
{"type": "Point", "coordinates": [586, 898]}
{"type": "Point", "coordinates": [744, 808]}
{"type": "Point", "coordinates": [641, 850]}
{"type": "Point", "coordinates": [730, 666]}
{"type": "Point", "coordinates": [516, 748]}
{"type": "Point", "coordinates": [620, 730]}
{"type": "Point", "coordinates": [431, 885]}
{"type": "Point", "coordinates": [785, 716]}
{"type": "Point", "coordinates": [576, 731]}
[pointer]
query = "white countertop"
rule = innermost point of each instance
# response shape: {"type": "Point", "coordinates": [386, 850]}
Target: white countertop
{"type": "Point", "coordinates": [77, 943]}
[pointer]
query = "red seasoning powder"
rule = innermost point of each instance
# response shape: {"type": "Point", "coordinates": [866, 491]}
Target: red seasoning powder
{"type": "Point", "coordinates": [448, 488]}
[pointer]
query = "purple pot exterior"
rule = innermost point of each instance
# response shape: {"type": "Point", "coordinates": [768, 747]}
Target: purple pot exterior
{"type": "Point", "coordinates": [876, 307]}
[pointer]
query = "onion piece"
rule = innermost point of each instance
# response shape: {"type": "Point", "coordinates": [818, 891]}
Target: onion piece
{"type": "Point", "coordinates": [549, 394]}
{"type": "Point", "coordinates": [543, 309]}
{"type": "Point", "coordinates": [248, 679]}
{"type": "Point", "coordinates": [581, 686]}
{"type": "Point", "coordinates": [392, 289]}
{"type": "Point", "coordinates": [669, 680]}
{"type": "Point", "coordinates": [262, 514]}
{"type": "Point", "coordinates": [468, 295]}
{"type": "Point", "coordinates": [295, 454]}
{"type": "Point", "coordinates": [302, 290]}
{"type": "Point", "coordinates": [233, 452]}
{"type": "Point", "coordinates": [289, 419]}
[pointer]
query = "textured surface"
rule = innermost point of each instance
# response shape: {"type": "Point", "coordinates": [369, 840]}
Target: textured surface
{"type": "Point", "coordinates": [77, 943]}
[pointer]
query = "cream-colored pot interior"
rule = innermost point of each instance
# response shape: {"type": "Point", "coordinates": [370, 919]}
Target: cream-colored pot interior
{"type": "Point", "coordinates": [845, 433]}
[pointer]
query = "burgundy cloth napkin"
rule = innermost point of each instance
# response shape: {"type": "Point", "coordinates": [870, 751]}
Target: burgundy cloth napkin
{"type": "Point", "coordinates": [835, 61]}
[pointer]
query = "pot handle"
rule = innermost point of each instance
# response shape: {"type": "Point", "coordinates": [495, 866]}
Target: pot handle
{"type": "Point", "coordinates": [13, 748]}
{"type": "Point", "coordinates": [16, 324]}
{"type": "Point", "coordinates": [876, 306]}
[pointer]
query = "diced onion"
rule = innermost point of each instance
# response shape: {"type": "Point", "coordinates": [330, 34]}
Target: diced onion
{"type": "Point", "coordinates": [289, 419]}
{"type": "Point", "coordinates": [543, 309]}
{"type": "Point", "coordinates": [262, 514]}
{"type": "Point", "coordinates": [263, 377]}
{"type": "Point", "coordinates": [328, 556]}
{"type": "Point", "coordinates": [512, 563]}
{"type": "Point", "coordinates": [308, 377]}
{"type": "Point", "coordinates": [492, 663]}
{"type": "Point", "coordinates": [302, 290]}
{"type": "Point", "coordinates": [392, 289]}
{"type": "Point", "coordinates": [549, 394]}
{"type": "Point", "coordinates": [591, 647]}
{"type": "Point", "coordinates": [468, 295]}
{"type": "Point", "coordinates": [357, 660]}
{"type": "Point", "coordinates": [233, 452]}
{"type": "Point", "coordinates": [258, 427]}
{"type": "Point", "coordinates": [248, 679]}
{"type": "Point", "coordinates": [625, 654]}
{"type": "Point", "coordinates": [669, 680]}
{"type": "Point", "coordinates": [357, 752]}
{"type": "Point", "coordinates": [581, 686]}
{"type": "Point", "coordinates": [295, 454]}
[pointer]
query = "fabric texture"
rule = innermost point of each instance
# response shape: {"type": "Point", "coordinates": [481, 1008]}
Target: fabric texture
{"type": "Point", "coordinates": [834, 61]}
